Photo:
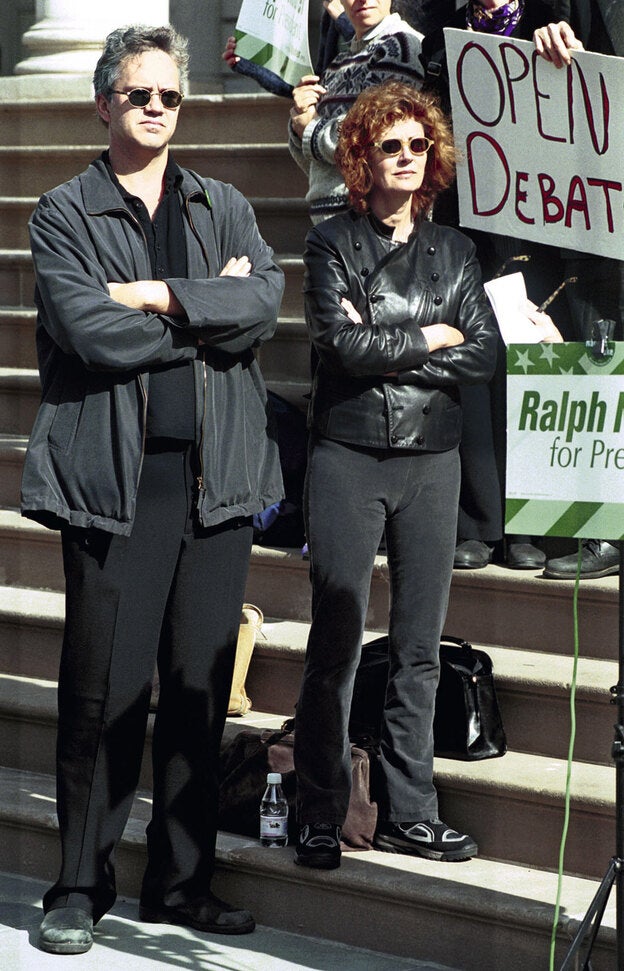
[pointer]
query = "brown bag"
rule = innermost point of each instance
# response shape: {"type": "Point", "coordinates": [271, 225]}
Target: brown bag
{"type": "Point", "coordinates": [250, 626]}
{"type": "Point", "coordinates": [245, 762]}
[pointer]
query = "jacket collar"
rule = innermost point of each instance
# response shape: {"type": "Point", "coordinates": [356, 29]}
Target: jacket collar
{"type": "Point", "coordinates": [392, 24]}
{"type": "Point", "coordinates": [101, 195]}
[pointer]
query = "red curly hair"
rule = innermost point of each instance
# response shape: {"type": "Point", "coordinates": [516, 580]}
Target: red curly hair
{"type": "Point", "coordinates": [376, 110]}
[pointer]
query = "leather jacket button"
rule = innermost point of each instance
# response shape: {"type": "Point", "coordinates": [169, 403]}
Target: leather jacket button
{"type": "Point", "coordinates": [420, 439]}
{"type": "Point", "coordinates": [357, 245]}
{"type": "Point", "coordinates": [394, 439]}
{"type": "Point", "coordinates": [364, 271]}
{"type": "Point", "coordinates": [437, 301]}
{"type": "Point", "coordinates": [435, 277]}
{"type": "Point", "coordinates": [426, 409]}
{"type": "Point", "coordinates": [431, 250]}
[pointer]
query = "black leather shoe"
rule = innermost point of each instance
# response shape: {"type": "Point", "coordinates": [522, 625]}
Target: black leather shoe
{"type": "Point", "coordinates": [598, 559]}
{"type": "Point", "coordinates": [472, 554]}
{"type": "Point", "coordinates": [318, 846]}
{"type": "Point", "coordinates": [66, 930]}
{"type": "Point", "coordinates": [524, 556]}
{"type": "Point", "coordinates": [207, 914]}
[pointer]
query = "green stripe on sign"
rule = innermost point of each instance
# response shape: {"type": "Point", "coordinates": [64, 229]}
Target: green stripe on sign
{"type": "Point", "coordinates": [540, 517]}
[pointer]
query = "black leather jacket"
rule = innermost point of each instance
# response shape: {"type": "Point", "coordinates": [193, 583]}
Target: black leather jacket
{"type": "Point", "coordinates": [433, 278]}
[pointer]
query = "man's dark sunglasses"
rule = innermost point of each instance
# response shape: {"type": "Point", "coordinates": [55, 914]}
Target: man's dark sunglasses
{"type": "Point", "coordinates": [141, 97]}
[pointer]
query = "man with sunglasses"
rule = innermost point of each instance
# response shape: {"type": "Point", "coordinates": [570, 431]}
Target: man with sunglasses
{"type": "Point", "coordinates": [151, 452]}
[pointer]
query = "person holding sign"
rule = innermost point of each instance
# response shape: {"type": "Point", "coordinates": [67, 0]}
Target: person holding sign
{"type": "Point", "coordinates": [593, 25]}
{"type": "Point", "coordinates": [398, 319]}
{"type": "Point", "coordinates": [385, 47]}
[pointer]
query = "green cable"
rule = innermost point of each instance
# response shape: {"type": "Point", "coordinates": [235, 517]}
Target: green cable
{"type": "Point", "coordinates": [566, 816]}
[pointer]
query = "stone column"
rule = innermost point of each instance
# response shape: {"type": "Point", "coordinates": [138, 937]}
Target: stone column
{"type": "Point", "coordinates": [67, 38]}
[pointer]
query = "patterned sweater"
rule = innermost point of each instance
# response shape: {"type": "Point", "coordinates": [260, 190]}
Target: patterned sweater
{"type": "Point", "coordinates": [388, 52]}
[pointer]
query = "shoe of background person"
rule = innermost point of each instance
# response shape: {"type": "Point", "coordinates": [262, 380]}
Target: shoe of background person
{"type": "Point", "coordinates": [432, 839]}
{"type": "Point", "coordinates": [66, 930]}
{"type": "Point", "coordinates": [204, 914]}
{"type": "Point", "coordinates": [472, 554]}
{"type": "Point", "coordinates": [598, 559]}
{"type": "Point", "coordinates": [524, 556]}
{"type": "Point", "coordinates": [318, 846]}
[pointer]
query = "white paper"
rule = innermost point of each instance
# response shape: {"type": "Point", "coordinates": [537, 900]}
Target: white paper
{"type": "Point", "coordinates": [510, 303]}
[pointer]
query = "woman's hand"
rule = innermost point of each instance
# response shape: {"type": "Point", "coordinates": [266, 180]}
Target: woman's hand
{"type": "Point", "coordinates": [353, 314]}
{"type": "Point", "coordinates": [305, 97]}
{"type": "Point", "coordinates": [334, 8]}
{"type": "Point", "coordinates": [549, 334]}
{"type": "Point", "coordinates": [229, 54]}
{"type": "Point", "coordinates": [555, 42]}
{"type": "Point", "coordinates": [237, 266]}
{"type": "Point", "coordinates": [442, 335]}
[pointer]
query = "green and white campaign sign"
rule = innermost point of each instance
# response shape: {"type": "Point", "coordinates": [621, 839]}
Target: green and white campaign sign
{"type": "Point", "coordinates": [274, 34]}
{"type": "Point", "coordinates": [565, 441]}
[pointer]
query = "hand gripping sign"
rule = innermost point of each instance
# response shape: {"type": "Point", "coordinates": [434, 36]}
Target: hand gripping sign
{"type": "Point", "coordinates": [540, 149]}
{"type": "Point", "coordinates": [274, 34]}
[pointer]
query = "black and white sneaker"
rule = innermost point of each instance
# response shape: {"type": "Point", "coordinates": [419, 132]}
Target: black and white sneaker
{"type": "Point", "coordinates": [319, 846]}
{"type": "Point", "coordinates": [431, 838]}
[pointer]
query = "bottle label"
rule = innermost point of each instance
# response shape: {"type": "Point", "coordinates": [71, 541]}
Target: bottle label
{"type": "Point", "coordinates": [273, 827]}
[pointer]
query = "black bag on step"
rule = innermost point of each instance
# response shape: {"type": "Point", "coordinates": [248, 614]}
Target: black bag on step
{"type": "Point", "coordinates": [467, 723]}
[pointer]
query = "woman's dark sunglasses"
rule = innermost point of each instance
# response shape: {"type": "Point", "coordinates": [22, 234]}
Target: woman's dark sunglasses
{"type": "Point", "coordinates": [141, 97]}
{"type": "Point", "coordinates": [393, 146]}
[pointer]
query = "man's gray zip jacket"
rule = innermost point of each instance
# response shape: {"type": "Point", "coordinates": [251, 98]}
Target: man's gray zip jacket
{"type": "Point", "coordinates": [84, 457]}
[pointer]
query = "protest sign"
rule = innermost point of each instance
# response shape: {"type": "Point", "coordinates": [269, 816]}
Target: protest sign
{"type": "Point", "coordinates": [565, 441]}
{"type": "Point", "coordinates": [274, 34]}
{"type": "Point", "coordinates": [541, 149]}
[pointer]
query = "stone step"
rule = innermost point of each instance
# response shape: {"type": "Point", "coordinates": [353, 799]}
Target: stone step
{"type": "Point", "coordinates": [491, 606]}
{"type": "Point", "coordinates": [12, 451]}
{"type": "Point", "coordinates": [282, 222]}
{"type": "Point", "coordinates": [31, 623]}
{"type": "Point", "coordinates": [140, 946]}
{"type": "Point", "coordinates": [20, 394]}
{"type": "Point", "coordinates": [512, 806]}
{"type": "Point", "coordinates": [481, 915]}
{"type": "Point", "coordinates": [17, 281]}
{"type": "Point", "coordinates": [203, 118]}
{"type": "Point", "coordinates": [17, 337]}
{"type": "Point", "coordinates": [255, 168]}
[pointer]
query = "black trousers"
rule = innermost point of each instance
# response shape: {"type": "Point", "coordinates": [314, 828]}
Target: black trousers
{"type": "Point", "coordinates": [352, 495]}
{"type": "Point", "coordinates": [170, 591]}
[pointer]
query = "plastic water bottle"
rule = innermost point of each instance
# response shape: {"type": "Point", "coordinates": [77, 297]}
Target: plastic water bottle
{"type": "Point", "coordinates": [274, 813]}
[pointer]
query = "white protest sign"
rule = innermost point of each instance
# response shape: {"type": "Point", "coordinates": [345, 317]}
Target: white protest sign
{"type": "Point", "coordinates": [565, 441]}
{"type": "Point", "coordinates": [274, 34]}
{"type": "Point", "coordinates": [541, 148]}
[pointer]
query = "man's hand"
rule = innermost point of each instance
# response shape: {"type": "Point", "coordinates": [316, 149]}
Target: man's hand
{"type": "Point", "coordinates": [152, 296]}
{"type": "Point", "coordinates": [229, 54]}
{"type": "Point", "coordinates": [546, 328]}
{"type": "Point", "coordinates": [555, 42]}
{"type": "Point", "coordinates": [442, 335]}
{"type": "Point", "coordinates": [237, 266]}
{"type": "Point", "coordinates": [305, 97]}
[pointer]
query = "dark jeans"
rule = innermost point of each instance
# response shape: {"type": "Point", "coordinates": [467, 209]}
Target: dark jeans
{"type": "Point", "coordinates": [170, 591]}
{"type": "Point", "coordinates": [352, 495]}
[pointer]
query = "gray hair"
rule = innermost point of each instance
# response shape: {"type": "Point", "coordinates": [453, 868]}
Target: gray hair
{"type": "Point", "coordinates": [126, 42]}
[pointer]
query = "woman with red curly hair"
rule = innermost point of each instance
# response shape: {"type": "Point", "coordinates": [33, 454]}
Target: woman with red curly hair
{"type": "Point", "coordinates": [398, 319]}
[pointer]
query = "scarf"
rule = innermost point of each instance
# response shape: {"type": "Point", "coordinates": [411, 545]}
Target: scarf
{"type": "Point", "coordinates": [501, 20]}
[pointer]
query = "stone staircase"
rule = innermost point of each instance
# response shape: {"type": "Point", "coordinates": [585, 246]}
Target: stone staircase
{"type": "Point", "coordinates": [493, 913]}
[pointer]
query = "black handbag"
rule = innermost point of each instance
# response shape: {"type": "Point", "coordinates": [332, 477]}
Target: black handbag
{"type": "Point", "coordinates": [467, 723]}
